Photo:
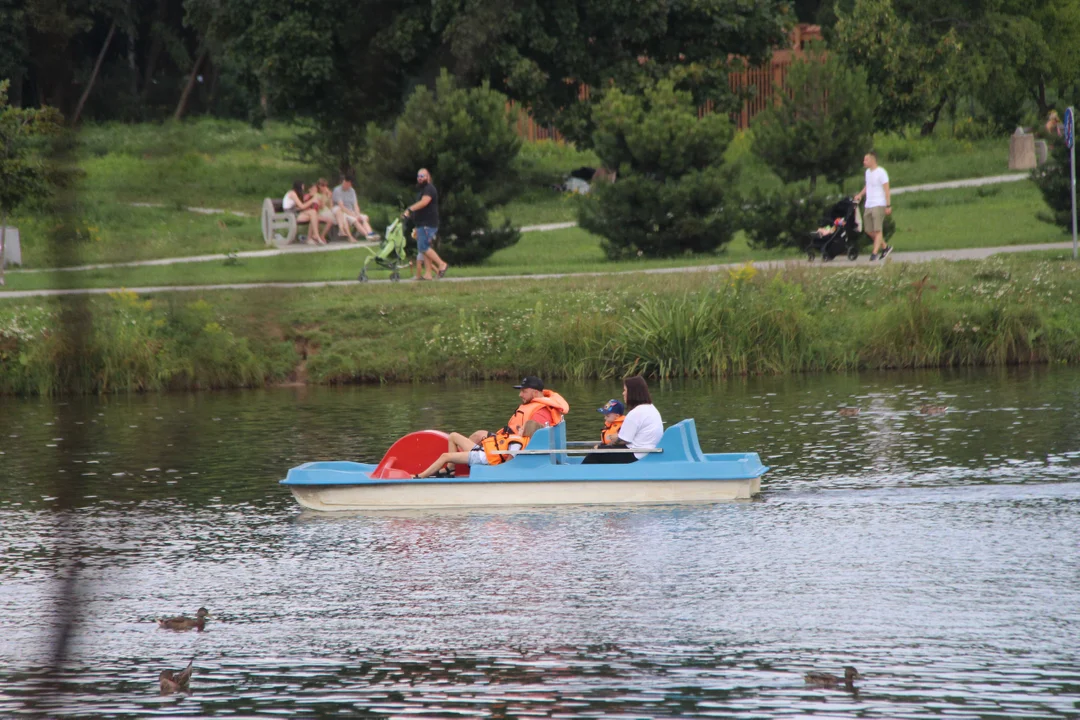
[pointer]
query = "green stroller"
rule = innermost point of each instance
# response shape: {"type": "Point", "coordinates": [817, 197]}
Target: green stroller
{"type": "Point", "coordinates": [390, 254]}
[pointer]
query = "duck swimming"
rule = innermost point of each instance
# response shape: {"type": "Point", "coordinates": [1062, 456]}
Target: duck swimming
{"type": "Point", "coordinates": [828, 680]}
{"type": "Point", "coordinates": [170, 682]}
{"type": "Point", "coordinates": [933, 409]}
{"type": "Point", "coordinates": [848, 411]}
{"type": "Point", "coordinates": [183, 622]}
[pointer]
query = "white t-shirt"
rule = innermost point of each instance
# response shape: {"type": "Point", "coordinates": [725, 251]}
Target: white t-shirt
{"type": "Point", "coordinates": [876, 180]}
{"type": "Point", "coordinates": [642, 428]}
{"type": "Point", "coordinates": [287, 201]}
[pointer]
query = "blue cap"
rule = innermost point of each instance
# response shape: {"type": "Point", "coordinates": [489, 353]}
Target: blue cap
{"type": "Point", "coordinates": [613, 406]}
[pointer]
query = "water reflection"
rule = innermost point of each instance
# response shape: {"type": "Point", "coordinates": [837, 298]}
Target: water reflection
{"type": "Point", "coordinates": [936, 554]}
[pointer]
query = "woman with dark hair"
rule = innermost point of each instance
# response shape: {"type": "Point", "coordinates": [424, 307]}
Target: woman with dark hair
{"type": "Point", "coordinates": [642, 428]}
{"type": "Point", "coordinates": [307, 211]}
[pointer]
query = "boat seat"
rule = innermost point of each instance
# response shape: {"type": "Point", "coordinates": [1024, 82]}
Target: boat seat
{"type": "Point", "coordinates": [679, 443]}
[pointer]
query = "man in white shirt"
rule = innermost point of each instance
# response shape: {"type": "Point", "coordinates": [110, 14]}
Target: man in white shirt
{"type": "Point", "coordinates": [878, 205]}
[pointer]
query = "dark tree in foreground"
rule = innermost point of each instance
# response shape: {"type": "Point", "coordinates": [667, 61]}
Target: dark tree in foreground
{"type": "Point", "coordinates": [540, 52]}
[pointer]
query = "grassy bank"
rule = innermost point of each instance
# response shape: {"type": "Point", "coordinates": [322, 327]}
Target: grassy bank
{"type": "Point", "coordinates": [232, 166]}
{"type": "Point", "coordinates": [1003, 310]}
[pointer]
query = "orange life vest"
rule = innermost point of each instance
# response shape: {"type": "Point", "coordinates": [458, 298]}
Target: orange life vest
{"type": "Point", "coordinates": [610, 433]}
{"type": "Point", "coordinates": [551, 400]}
{"type": "Point", "coordinates": [501, 441]}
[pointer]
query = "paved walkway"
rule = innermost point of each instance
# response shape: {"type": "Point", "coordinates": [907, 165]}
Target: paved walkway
{"type": "Point", "coordinates": [545, 227]}
{"type": "Point", "coordinates": [863, 261]}
{"type": "Point", "coordinates": [269, 252]}
{"type": "Point", "coordinates": [957, 184]}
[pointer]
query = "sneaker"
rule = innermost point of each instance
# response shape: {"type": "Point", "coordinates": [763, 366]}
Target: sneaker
{"type": "Point", "coordinates": [873, 257]}
{"type": "Point", "coordinates": [888, 249]}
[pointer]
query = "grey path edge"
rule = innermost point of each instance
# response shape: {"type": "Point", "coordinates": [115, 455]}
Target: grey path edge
{"type": "Point", "coordinates": [902, 257]}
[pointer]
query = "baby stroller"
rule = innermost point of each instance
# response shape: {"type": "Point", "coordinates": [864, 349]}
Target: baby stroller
{"type": "Point", "coordinates": [390, 254]}
{"type": "Point", "coordinates": [840, 235]}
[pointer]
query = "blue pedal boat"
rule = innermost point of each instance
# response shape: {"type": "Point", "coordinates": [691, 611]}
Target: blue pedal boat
{"type": "Point", "coordinates": [548, 472]}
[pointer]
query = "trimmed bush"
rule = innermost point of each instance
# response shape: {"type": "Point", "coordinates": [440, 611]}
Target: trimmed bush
{"type": "Point", "coordinates": [673, 194]}
{"type": "Point", "coordinates": [465, 138]}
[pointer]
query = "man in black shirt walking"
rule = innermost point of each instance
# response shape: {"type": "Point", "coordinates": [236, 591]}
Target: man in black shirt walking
{"type": "Point", "coordinates": [425, 216]}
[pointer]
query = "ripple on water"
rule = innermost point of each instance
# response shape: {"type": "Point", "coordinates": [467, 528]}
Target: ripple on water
{"type": "Point", "coordinates": [935, 553]}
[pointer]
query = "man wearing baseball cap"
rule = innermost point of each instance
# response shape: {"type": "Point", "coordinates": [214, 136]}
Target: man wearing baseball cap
{"type": "Point", "coordinates": [539, 408]}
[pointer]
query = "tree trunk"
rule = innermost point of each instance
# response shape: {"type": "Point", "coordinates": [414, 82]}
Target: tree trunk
{"type": "Point", "coordinates": [1040, 99]}
{"type": "Point", "coordinates": [215, 75]}
{"type": "Point", "coordinates": [133, 67]}
{"type": "Point", "coordinates": [928, 126]}
{"type": "Point", "coordinates": [94, 74]}
{"type": "Point", "coordinates": [182, 105]}
{"type": "Point", "coordinates": [3, 238]}
{"type": "Point", "coordinates": [155, 47]}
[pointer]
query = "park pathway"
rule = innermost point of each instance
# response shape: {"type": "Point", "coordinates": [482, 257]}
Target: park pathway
{"type": "Point", "coordinates": [903, 257]}
{"type": "Point", "coordinates": [545, 227]}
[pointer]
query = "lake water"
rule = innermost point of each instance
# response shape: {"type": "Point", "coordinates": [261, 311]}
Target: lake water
{"type": "Point", "coordinates": [937, 554]}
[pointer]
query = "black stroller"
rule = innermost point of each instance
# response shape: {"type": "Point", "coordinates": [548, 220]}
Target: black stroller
{"type": "Point", "coordinates": [840, 235]}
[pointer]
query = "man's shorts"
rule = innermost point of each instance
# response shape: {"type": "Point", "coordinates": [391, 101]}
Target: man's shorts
{"type": "Point", "coordinates": [478, 457]}
{"type": "Point", "coordinates": [874, 219]}
{"type": "Point", "coordinates": [424, 237]}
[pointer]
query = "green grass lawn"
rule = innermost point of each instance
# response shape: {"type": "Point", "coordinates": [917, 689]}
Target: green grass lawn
{"type": "Point", "coordinates": [971, 217]}
{"type": "Point", "coordinates": [231, 165]}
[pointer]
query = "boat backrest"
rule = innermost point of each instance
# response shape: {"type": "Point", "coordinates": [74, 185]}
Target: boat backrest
{"type": "Point", "coordinates": [692, 439]}
{"type": "Point", "coordinates": [679, 443]}
{"type": "Point", "coordinates": [550, 438]}
{"type": "Point", "coordinates": [558, 442]}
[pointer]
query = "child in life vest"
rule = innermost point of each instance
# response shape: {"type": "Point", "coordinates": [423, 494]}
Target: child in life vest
{"type": "Point", "coordinates": [614, 415]}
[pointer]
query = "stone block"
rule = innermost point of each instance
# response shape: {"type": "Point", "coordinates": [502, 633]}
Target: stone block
{"type": "Point", "coordinates": [1022, 152]}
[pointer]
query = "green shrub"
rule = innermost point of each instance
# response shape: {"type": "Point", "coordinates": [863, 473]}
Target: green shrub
{"type": "Point", "coordinates": [673, 194]}
{"type": "Point", "coordinates": [784, 217]}
{"type": "Point", "coordinates": [465, 138]}
{"type": "Point", "coordinates": [1054, 182]}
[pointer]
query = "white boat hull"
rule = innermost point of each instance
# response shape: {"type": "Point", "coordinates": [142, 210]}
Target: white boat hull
{"type": "Point", "coordinates": [419, 494]}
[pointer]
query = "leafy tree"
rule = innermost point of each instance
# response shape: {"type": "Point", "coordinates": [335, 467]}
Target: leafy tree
{"type": "Point", "coordinates": [913, 66]}
{"type": "Point", "coordinates": [341, 65]}
{"type": "Point", "coordinates": [673, 194]}
{"type": "Point", "coordinates": [540, 51]}
{"type": "Point", "coordinates": [23, 173]}
{"type": "Point", "coordinates": [1020, 53]}
{"type": "Point", "coordinates": [821, 125]}
{"type": "Point", "coordinates": [466, 139]}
